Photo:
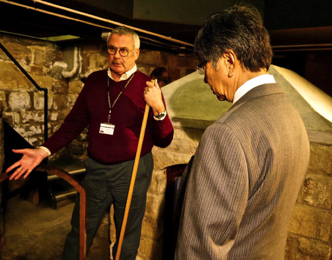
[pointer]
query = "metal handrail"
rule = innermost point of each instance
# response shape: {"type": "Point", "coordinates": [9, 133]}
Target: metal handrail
{"type": "Point", "coordinates": [36, 85]}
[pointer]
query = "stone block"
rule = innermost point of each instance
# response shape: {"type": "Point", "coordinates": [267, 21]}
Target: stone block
{"type": "Point", "coordinates": [71, 99]}
{"type": "Point", "coordinates": [43, 81]}
{"type": "Point", "coordinates": [19, 101]}
{"type": "Point", "coordinates": [320, 159]}
{"type": "Point", "coordinates": [75, 87]}
{"type": "Point", "coordinates": [158, 182]}
{"type": "Point", "coordinates": [186, 146]}
{"type": "Point", "coordinates": [13, 118]}
{"type": "Point", "coordinates": [154, 206]}
{"type": "Point", "coordinates": [311, 222]}
{"type": "Point", "coordinates": [152, 229]}
{"type": "Point", "coordinates": [163, 158]}
{"type": "Point", "coordinates": [59, 101]}
{"type": "Point", "coordinates": [38, 100]}
{"type": "Point", "coordinates": [316, 191]}
{"type": "Point", "coordinates": [183, 133]}
{"type": "Point", "coordinates": [312, 249]}
{"type": "Point", "coordinates": [150, 58]}
{"type": "Point", "coordinates": [63, 113]}
{"type": "Point", "coordinates": [3, 101]}
{"type": "Point", "coordinates": [97, 61]}
{"type": "Point", "coordinates": [38, 55]}
{"type": "Point", "coordinates": [18, 51]}
{"type": "Point", "coordinates": [29, 130]}
{"type": "Point", "coordinates": [53, 116]}
{"type": "Point", "coordinates": [149, 249]}
{"type": "Point", "coordinates": [32, 117]}
{"type": "Point", "coordinates": [184, 62]}
{"type": "Point", "coordinates": [290, 248]}
{"type": "Point", "coordinates": [36, 70]}
{"type": "Point", "coordinates": [12, 79]}
{"type": "Point", "coordinates": [60, 86]}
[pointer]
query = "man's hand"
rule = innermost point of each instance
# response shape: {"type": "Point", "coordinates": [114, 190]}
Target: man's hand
{"type": "Point", "coordinates": [152, 96]}
{"type": "Point", "coordinates": [31, 158]}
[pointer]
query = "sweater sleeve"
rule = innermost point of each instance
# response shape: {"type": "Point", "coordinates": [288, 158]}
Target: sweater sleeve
{"type": "Point", "coordinates": [161, 131]}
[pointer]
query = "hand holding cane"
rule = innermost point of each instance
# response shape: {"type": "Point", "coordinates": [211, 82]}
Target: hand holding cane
{"type": "Point", "coordinates": [133, 178]}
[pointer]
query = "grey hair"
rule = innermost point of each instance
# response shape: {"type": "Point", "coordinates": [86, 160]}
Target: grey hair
{"type": "Point", "coordinates": [122, 30]}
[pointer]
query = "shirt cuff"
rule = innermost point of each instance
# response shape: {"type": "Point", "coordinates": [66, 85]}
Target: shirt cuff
{"type": "Point", "coordinates": [46, 150]}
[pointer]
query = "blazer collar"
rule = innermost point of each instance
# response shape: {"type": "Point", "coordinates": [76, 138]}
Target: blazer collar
{"type": "Point", "coordinates": [259, 91]}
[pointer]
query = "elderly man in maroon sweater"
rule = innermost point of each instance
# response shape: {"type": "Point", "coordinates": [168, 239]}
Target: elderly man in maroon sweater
{"type": "Point", "coordinates": [111, 105]}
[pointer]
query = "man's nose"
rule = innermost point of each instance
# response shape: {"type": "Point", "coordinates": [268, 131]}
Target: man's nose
{"type": "Point", "coordinates": [117, 54]}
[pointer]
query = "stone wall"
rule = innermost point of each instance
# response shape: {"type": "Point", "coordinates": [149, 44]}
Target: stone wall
{"type": "Point", "coordinates": [310, 229]}
{"type": "Point", "coordinates": [2, 158]}
{"type": "Point", "coordinates": [60, 68]}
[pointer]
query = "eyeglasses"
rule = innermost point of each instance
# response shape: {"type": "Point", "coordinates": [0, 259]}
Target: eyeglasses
{"type": "Point", "coordinates": [122, 51]}
{"type": "Point", "coordinates": [200, 68]}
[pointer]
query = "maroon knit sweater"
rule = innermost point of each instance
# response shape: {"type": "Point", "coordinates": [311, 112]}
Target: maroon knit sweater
{"type": "Point", "coordinates": [91, 109]}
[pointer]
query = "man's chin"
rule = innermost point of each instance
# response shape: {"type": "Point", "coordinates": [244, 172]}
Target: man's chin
{"type": "Point", "coordinates": [221, 97]}
{"type": "Point", "coordinates": [117, 70]}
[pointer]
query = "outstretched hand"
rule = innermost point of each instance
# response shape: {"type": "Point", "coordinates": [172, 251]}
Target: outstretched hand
{"type": "Point", "coordinates": [31, 159]}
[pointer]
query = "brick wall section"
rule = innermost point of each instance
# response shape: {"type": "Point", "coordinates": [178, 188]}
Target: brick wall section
{"type": "Point", "coordinates": [310, 229]}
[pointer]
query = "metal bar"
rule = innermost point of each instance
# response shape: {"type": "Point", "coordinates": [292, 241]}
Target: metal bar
{"type": "Point", "coordinates": [36, 85]}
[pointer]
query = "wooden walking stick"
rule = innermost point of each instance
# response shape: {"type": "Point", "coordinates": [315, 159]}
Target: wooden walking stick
{"type": "Point", "coordinates": [133, 178]}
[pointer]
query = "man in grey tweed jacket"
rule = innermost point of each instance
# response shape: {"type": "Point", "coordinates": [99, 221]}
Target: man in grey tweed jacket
{"type": "Point", "coordinates": [238, 192]}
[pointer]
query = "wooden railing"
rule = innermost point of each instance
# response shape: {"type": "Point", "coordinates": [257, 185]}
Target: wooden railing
{"type": "Point", "coordinates": [67, 177]}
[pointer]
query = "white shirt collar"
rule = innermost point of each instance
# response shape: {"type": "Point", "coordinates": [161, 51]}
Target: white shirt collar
{"type": "Point", "coordinates": [125, 75]}
{"type": "Point", "coordinates": [252, 83]}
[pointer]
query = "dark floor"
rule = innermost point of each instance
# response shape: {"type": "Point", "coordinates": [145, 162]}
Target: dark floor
{"type": "Point", "coordinates": [38, 232]}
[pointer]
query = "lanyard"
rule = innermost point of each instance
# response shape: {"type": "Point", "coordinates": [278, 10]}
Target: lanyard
{"type": "Point", "coordinates": [110, 106]}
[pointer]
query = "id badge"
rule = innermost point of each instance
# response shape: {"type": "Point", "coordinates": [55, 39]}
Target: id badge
{"type": "Point", "coordinates": [107, 129]}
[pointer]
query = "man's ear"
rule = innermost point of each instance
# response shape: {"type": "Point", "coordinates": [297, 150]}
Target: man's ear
{"type": "Point", "coordinates": [137, 51]}
{"type": "Point", "coordinates": [230, 58]}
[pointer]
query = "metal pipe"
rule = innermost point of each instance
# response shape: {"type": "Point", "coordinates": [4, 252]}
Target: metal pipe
{"type": "Point", "coordinates": [168, 38]}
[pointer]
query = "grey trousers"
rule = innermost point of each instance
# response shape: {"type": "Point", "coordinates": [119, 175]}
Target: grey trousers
{"type": "Point", "coordinates": [106, 185]}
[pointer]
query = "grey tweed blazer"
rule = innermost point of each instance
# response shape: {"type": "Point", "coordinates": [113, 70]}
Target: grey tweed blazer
{"type": "Point", "coordinates": [238, 192]}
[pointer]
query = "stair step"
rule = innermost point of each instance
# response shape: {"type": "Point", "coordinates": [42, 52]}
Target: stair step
{"type": "Point", "coordinates": [65, 195]}
{"type": "Point", "coordinates": [75, 172]}
{"type": "Point", "coordinates": [72, 166]}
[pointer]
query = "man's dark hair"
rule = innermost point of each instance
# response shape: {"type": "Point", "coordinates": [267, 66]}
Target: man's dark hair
{"type": "Point", "coordinates": [158, 73]}
{"type": "Point", "coordinates": [239, 28]}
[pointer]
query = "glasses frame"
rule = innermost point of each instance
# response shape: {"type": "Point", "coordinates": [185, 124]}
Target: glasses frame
{"type": "Point", "coordinates": [200, 68]}
{"type": "Point", "coordinates": [118, 50]}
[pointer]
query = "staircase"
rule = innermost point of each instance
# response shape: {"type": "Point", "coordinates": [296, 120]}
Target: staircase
{"type": "Point", "coordinates": [41, 186]}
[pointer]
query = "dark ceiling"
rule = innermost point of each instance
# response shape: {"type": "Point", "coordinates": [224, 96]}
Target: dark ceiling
{"type": "Point", "coordinates": [292, 23]}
